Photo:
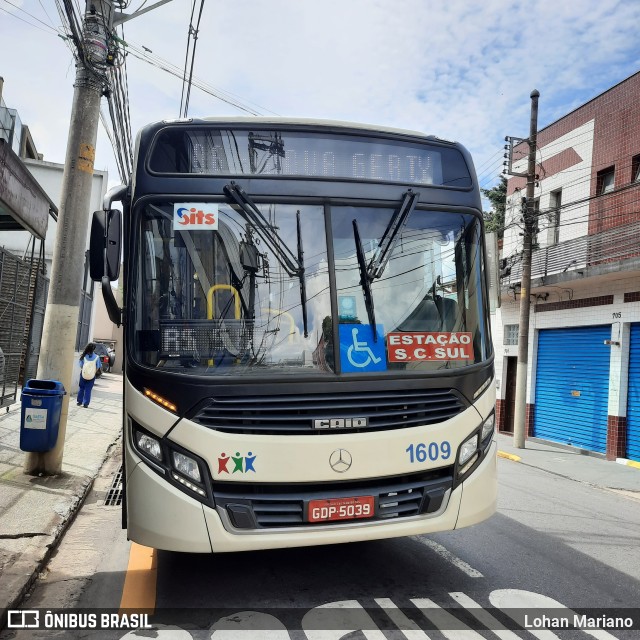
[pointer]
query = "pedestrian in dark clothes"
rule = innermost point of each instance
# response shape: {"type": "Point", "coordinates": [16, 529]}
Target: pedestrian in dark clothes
{"type": "Point", "coordinates": [89, 365]}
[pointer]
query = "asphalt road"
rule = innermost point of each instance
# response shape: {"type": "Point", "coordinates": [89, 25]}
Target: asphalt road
{"type": "Point", "coordinates": [554, 543]}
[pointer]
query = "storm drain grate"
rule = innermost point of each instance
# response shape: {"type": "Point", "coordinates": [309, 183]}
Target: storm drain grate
{"type": "Point", "coordinates": [114, 495]}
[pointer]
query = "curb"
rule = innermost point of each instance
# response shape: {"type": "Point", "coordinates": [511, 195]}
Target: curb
{"type": "Point", "coordinates": [509, 456]}
{"type": "Point", "coordinates": [43, 559]}
{"type": "Point", "coordinates": [628, 463]}
{"type": "Point", "coordinates": [56, 535]}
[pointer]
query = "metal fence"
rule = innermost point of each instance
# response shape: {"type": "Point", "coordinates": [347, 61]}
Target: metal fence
{"type": "Point", "coordinates": [86, 306]}
{"type": "Point", "coordinates": [613, 245]}
{"type": "Point", "coordinates": [41, 291]}
{"type": "Point", "coordinates": [15, 311]}
{"type": "Point", "coordinates": [23, 300]}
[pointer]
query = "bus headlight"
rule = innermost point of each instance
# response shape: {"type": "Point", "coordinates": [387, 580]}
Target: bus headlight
{"type": "Point", "coordinates": [186, 466]}
{"type": "Point", "coordinates": [183, 469]}
{"type": "Point", "coordinates": [468, 455]}
{"type": "Point", "coordinates": [487, 428]}
{"type": "Point", "coordinates": [468, 448]}
{"type": "Point", "coordinates": [475, 447]}
{"type": "Point", "coordinates": [148, 445]}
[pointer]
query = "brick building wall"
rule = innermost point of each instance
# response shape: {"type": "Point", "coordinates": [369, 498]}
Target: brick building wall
{"type": "Point", "coordinates": [565, 163]}
{"type": "Point", "coordinates": [616, 141]}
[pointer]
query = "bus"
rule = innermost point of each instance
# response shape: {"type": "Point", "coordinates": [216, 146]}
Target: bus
{"type": "Point", "coordinates": [308, 357]}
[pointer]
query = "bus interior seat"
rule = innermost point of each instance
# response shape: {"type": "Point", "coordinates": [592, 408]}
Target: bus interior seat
{"type": "Point", "coordinates": [449, 310]}
{"type": "Point", "coordinates": [430, 315]}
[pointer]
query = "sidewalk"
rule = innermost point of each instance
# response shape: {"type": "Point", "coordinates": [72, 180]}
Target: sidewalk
{"type": "Point", "coordinates": [35, 511]}
{"type": "Point", "coordinates": [571, 463]}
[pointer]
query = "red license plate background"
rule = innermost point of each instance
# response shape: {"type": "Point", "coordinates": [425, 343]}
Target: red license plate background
{"type": "Point", "coordinates": [341, 509]}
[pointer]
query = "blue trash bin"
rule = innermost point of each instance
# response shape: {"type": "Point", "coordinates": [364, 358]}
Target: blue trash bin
{"type": "Point", "coordinates": [40, 419]}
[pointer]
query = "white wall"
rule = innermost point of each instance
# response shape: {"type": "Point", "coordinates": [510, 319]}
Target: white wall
{"type": "Point", "coordinates": [49, 175]}
{"type": "Point", "coordinates": [575, 182]}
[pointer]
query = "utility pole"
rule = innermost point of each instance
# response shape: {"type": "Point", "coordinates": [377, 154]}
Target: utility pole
{"type": "Point", "coordinates": [530, 224]}
{"type": "Point", "coordinates": [63, 303]}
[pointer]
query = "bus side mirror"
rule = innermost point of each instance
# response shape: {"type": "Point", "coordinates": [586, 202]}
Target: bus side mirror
{"type": "Point", "coordinates": [104, 246]}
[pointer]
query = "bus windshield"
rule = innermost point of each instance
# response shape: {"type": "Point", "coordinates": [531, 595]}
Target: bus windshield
{"type": "Point", "coordinates": [219, 292]}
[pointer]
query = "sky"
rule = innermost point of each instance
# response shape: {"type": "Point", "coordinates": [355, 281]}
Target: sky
{"type": "Point", "coordinates": [458, 69]}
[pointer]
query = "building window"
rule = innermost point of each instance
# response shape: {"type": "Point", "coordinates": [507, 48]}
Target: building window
{"type": "Point", "coordinates": [511, 334]}
{"type": "Point", "coordinates": [555, 203]}
{"type": "Point", "coordinates": [605, 182]}
{"type": "Point", "coordinates": [635, 168]}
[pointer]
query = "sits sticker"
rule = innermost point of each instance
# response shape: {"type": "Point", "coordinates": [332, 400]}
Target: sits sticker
{"type": "Point", "coordinates": [417, 347]}
{"type": "Point", "coordinates": [195, 215]}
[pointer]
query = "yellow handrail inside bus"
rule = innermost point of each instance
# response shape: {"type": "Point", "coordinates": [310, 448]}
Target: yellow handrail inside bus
{"type": "Point", "coordinates": [223, 287]}
{"type": "Point", "coordinates": [292, 322]}
{"type": "Point", "coordinates": [236, 299]}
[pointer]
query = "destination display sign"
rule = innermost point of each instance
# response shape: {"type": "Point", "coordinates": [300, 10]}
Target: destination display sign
{"type": "Point", "coordinates": [214, 151]}
{"type": "Point", "coordinates": [417, 347]}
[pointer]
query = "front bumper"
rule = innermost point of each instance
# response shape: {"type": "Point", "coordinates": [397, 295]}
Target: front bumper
{"type": "Point", "coordinates": [163, 517]}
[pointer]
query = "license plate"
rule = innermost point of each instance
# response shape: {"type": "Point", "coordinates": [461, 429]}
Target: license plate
{"type": "Point", "coordinates": [341, 509]}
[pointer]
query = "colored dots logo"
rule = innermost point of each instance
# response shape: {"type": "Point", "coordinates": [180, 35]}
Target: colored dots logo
{"type": "Point", "coordinates": [239, 463]}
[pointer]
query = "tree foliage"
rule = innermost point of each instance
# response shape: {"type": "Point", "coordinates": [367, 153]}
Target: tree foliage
{"type": "Point", "coordinates": [497, 196]}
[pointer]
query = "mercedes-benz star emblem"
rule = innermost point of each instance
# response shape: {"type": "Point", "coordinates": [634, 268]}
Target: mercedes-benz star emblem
{"type": "Point", "coordinates": [340, 460]}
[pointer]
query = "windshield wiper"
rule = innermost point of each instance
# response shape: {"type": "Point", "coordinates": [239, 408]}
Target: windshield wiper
{"type": "Point", "coordinates": [365, 281]}
{"type": "Point", "coordinates": [391, 235]}
{"type": "Point", "coordinates": [303, 284]}
{"type": "Point", "coordinates": [375, 268]}
{"type": "Point", "coordinates": [293, 265]}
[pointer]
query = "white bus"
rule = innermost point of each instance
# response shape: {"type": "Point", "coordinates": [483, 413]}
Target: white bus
{"type": "Point", "coordinates": [308, 356]}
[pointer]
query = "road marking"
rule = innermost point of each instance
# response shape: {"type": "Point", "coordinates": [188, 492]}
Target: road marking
{"type": "Point", "coordinates": [139, 591]}
{"type": "Point", "coordinates": [449, 557]}
{"type": "Point", "coordinates": [407, 627]}
{"type": "Point", "coordinates": [448, 625]}
{"type": "Point", "coordinates": [335, 620]}
{"type": "Point", "coordinates": [248, 625]}
{"type": "Point", "coordinates": [509, 456]}
{"type": "Point", "coordinates": [514, 601]}
{"type": "Point", "coordinates": [483, 616]}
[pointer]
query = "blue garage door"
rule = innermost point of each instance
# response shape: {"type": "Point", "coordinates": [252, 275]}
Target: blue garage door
{"type": "Point", "coordinates": [633, 402]}
{"type": "Point", "coordinates": [572, 386]}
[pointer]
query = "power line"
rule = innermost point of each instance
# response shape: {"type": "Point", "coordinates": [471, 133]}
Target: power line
{"type": "Point", "coordinates": [69, 35]}
{"type": "Point", "coordinates": [193, 59]}
{"type": "Point", "coordinates": [584, 218]}
{"type": "Point", "coordinates": [588, 179]}
{"type": "Point", "coordinates": [46, 13]}
{"type": "Point", "coordinates": [186, 56]}
{"type": "Point", "coordinates": [74, 27]}
{"type": "Point", "coordinates": [159, 63]}
{"type": "Point", "coordinates": [15, 6]}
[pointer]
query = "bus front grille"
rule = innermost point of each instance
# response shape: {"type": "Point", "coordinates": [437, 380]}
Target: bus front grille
{"type": "Point", "coordinates": [270, 507]}
{"type": "Point", "coordinates": [303, 413]}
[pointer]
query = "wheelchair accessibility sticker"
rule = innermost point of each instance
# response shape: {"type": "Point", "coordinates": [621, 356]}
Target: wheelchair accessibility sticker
{"type": "Point", "coordinates": [358, 351]}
